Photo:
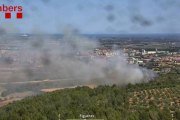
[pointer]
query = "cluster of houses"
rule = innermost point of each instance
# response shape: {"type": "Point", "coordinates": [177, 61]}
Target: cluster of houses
{"type": "Point", "coordinates": [139, 57]}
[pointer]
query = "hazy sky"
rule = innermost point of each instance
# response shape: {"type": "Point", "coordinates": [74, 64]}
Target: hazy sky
{"type": "Point", "coordinates": [94, 16]}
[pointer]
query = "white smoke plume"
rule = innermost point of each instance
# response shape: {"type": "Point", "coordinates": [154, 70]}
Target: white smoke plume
{"type": "Point", "coordinates": [72, 59]}
{"type": "Point", "coordinates": [63, 60]}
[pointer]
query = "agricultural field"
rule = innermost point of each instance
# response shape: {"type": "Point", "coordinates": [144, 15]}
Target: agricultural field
{"type": "Point", "coordinates": [163, 93]}
{"type": "Point", "coordinates": [4, 100]}
{"type": "Point", "coordinates": [162, 97]}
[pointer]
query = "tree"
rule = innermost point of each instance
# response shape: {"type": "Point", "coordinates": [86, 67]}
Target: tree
{"type": "Point", "coordinates": [165, 115]}
{"type": "Point", "coordinates": [177, 115]}
{"type": "Point", "coordinates": [143, 115]}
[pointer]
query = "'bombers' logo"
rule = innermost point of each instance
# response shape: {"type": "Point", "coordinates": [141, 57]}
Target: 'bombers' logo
{"type": "Point", "coordinates": [9, 9]}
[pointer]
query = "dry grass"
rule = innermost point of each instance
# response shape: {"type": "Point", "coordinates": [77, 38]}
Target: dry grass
{"type": "Point", "coordinates": [15, 97]}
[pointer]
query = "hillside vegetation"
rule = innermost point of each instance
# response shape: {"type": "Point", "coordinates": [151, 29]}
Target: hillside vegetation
{"type": "Point", "coordinates": [147, 101]}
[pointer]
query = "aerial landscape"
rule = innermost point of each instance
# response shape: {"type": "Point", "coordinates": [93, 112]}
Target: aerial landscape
{"type": "Point", "coordinates": [76, 60]}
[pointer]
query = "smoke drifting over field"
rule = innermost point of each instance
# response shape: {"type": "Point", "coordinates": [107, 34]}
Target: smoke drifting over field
{"type": "Point", "coordinates": [64, 59]}
{"type": "Point", "coordinates": [64, 62]}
